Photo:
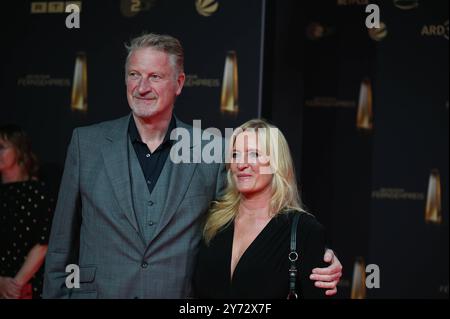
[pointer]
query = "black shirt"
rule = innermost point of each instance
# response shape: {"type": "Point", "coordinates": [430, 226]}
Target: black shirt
{"type": "Point", "coordinates": [263, 270]}
{"type": "Point", "coordinates": [151, 163]}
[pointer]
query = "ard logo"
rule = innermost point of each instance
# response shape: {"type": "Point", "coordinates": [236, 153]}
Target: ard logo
{"type": "Point", "coordinates": [206, 7]}
{"type": "Point", "coordinates": [44, 7]}
{"type": "Point", "coordinates": [440, 30]}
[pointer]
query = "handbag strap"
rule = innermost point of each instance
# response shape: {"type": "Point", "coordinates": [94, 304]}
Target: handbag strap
{"type": "Point", "coordinates": [293, 257]}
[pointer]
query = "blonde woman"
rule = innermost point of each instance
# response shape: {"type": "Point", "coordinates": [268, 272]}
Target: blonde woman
{"type": "Point", "coordinates": [247, 233]}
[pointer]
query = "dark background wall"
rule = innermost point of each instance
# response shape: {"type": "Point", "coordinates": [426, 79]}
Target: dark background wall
{"type": "Point", "coordinates": [302, 65]}
{"type": "Point", "coordinates": [368, 186]}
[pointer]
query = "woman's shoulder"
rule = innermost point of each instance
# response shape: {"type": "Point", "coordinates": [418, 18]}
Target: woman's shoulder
{"type": "Point", "coordinates": [33, 185]}
{"type": "Point", "coordinates": [39, 188]}
{"type": "Point", "coordinates": [25, 185]}
{"type": "Point", "coordinates": [310, 232]}
{"type": "Point", "coordinates": [307, 221]}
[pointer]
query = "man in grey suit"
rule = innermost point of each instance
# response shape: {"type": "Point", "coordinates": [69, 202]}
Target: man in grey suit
{"type": "Point", "coordinates": [127, 215]}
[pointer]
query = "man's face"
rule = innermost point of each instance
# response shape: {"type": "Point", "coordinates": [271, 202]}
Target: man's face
{"type": "Point", "coordinates": [152, 83]}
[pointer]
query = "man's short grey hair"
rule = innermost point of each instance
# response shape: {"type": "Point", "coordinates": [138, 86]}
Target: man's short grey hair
{"type": "Point", "coordinates": [160, 42]}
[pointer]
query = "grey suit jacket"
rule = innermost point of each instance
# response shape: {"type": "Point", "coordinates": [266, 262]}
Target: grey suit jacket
{"type": "Point", "coordinates": [95, 224]}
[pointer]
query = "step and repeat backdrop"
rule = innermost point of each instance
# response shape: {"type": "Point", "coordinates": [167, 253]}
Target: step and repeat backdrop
{"type": "Point", "coordinates": [376, 141]}
{"type": "Point", "coordinates": [366, 110]}
{"type": "Point", "coordinates": [56, 78]}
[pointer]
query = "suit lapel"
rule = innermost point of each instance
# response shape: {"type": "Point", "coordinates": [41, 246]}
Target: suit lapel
{"type": "Point", "coordinates": [115, 156]}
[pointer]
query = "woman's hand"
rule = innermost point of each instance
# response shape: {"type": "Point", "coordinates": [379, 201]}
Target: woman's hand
{"type": "Point", "coordinates": [9, 288]}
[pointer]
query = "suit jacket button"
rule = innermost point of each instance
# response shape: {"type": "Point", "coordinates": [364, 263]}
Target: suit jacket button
{"type": "Point", "coordinates": [144, 265]}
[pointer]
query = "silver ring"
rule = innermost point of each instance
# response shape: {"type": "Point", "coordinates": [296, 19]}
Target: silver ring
{"type": "Point", "coordinates": [293, 256]}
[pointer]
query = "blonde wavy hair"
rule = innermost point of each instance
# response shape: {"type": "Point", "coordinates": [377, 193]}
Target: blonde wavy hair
{"type": "Point", "coordinates": [285, 195]}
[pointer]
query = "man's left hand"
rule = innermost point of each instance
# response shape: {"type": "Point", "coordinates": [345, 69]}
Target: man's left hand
{"type": "Point", "coordinates": [328, 278]}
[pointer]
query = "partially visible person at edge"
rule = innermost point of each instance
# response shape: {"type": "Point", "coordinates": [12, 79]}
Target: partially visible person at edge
{"type": "Point", "coordinates": [248, 231]}
{"type": "Point", "coordinates": [26, 208]}
{"type": "Point", "coordinates": [127, 215]}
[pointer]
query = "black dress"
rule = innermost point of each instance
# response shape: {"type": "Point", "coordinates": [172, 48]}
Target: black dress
{"type": "Point", "coordinates": [262, 271]}
{"type": "Point", "coordinates": [26, 209]}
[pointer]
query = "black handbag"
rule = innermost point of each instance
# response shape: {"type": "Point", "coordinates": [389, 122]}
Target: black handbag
{"type": "Point", "coordinates": [293, 257]}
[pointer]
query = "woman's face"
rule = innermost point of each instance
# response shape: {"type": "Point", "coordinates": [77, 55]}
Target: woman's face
{"type": "Point", "coordinates": [249, 164]}
{"type": "Point", "coordinates": [8, 156]}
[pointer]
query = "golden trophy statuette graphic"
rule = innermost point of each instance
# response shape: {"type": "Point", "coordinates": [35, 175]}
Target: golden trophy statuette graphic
{"type": "Point", "coordinates": [206, 7]}
{"type": "Point", "coordinates": [378, 34]}
{"type": "Point", "coordinates": [433, 209]}
{"type": "Point", "coordinates": [359, 279]}
{"type": "Point", "coordinates": [364, 116]}
{"type": "Point", "coordinates": [79, 85]}
{"type": "Point", "coordinates": [229, 101]}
